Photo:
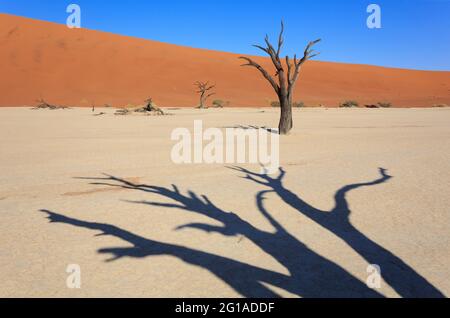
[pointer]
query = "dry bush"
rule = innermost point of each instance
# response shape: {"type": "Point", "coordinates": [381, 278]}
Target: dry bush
{"type": "Point", "coordinates": [298, 104]}
{"type": "Point", "coordinates": [275, 104]}
{"type": "Point", "coordinates": [384, 104]}
{"type": "Point", "coordinates": [42, 104]}
{"type": "Point", "coordinates": [349, 103]}
{"type": "Point", "coordinates": [122, 112]}
{"type": "Point", "coordinates": [150, 109]}
{"type": "Point", "coordinates": [218, 103]}
{"type": "Point", "coordinates": [439, 105]}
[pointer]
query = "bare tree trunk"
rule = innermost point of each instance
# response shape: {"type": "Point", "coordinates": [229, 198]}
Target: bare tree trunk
{"type": "Point", "coordinates": [286, 122]}
{"type": "Point", "coordinates": [202, 101]}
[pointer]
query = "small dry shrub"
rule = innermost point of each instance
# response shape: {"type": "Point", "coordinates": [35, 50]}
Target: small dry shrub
{"type": "Point", "coordinates": [349, 104]}
{"type": "Point", "coordinates": [384, 104]}
{"type": "Point", "coordinates": [275, 104]}
{"type": "Point", "coordinates": [42, 104]}
{"type": "Point", "coordinates": [298, 104]}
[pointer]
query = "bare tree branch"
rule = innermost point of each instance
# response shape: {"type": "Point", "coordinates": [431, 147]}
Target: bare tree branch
{"type": "Point", "coordinates": [262, 48]}
{"type": "Point", "coordinates": [308, 54]}
{"type": "Point", "coordinates": [289, 68]}
{"type": "Point", "coordinates": [280, 38]}
{"type": "Point", "coordinates": [263, 72]}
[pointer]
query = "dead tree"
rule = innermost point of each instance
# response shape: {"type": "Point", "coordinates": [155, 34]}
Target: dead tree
{"type": "Point", "coordinates": [204, 90]}
{"type": "Point", "coordinates": [151, 107]}
{"type": "Point", "coordinates": [287, 73]}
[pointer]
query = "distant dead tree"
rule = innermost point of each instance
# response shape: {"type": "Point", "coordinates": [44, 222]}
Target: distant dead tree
{"type": "Point", "coordinates": [204, 89]}
{"type": "Point", "coordinates": [151, 107]}
{"type": "Point", "coordinates": [287, 79]}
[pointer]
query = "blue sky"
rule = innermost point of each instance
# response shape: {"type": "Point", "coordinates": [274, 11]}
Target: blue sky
{"type": "Point", "coordinates": [415, 33]}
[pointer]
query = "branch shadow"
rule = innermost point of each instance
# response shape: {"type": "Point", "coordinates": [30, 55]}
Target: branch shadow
{"type": "Point", "coordinates": [310, 274]}
{"type": "Point", "coordinates": [252, 127]}
{"type": "Point", "coordinates": [244, 278]}
{"type": "Point", "coordinates": [399, 275]}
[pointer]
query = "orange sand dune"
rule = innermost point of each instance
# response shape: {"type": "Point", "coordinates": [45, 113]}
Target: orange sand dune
{"type": "Point", "coordinates": [78, 67]}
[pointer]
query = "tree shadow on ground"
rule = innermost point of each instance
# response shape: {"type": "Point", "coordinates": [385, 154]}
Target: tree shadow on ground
{"type": "Point", "coordinates": [252, 127]}
{"type": "Point", "coordinates": [399, 275]}
{"type": "Point", "coordinates": [310, 274]}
